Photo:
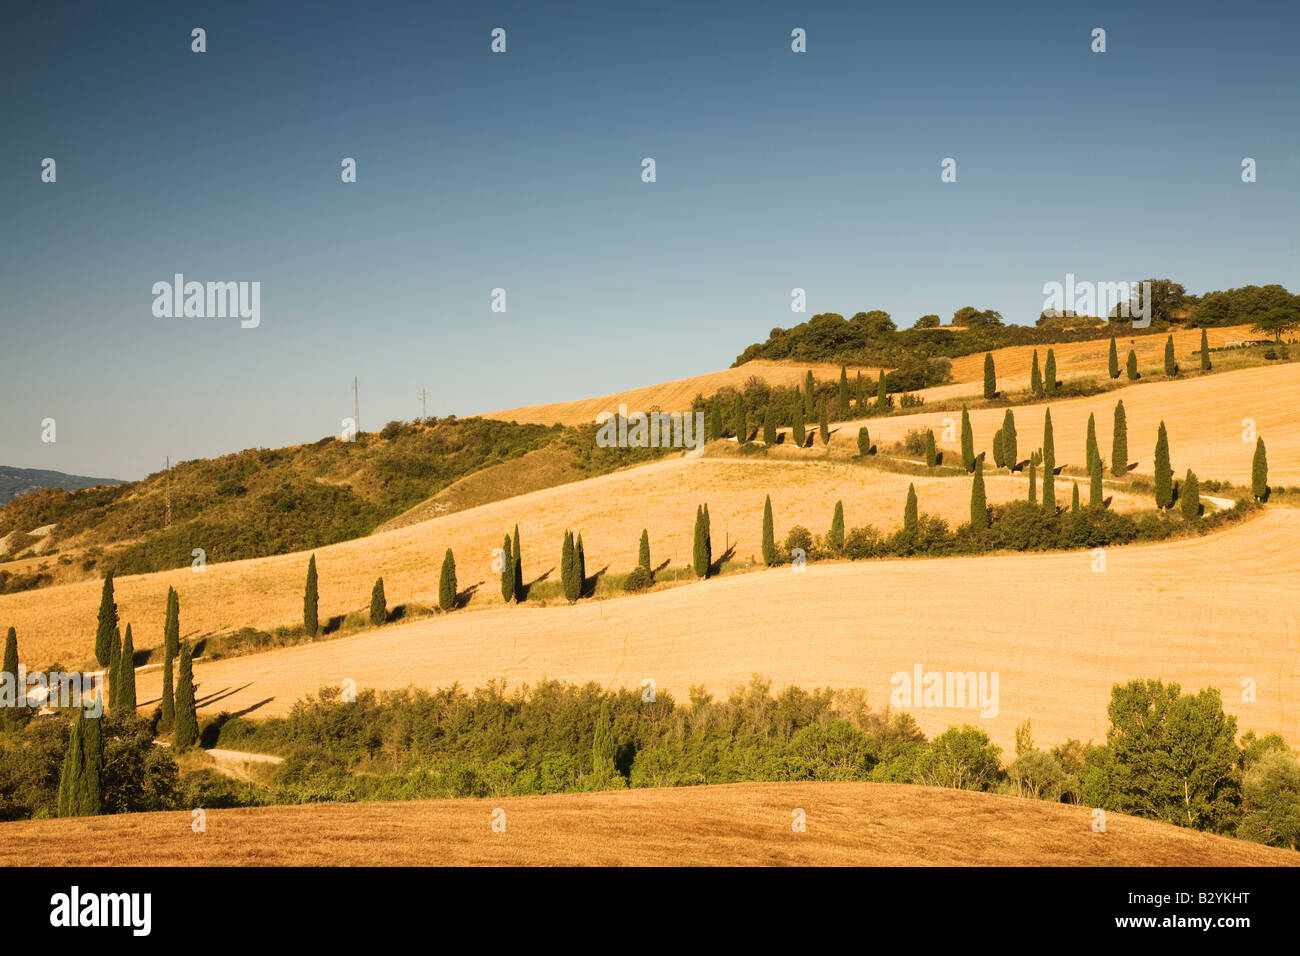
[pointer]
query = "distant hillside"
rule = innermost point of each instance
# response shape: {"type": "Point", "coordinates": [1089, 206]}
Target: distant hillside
{"type": "Point", "coordinates": [20, 481]}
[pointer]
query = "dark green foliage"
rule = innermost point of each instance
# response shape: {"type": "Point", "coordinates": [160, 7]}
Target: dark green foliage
{"type": "Point", "coordinates": [1113, 359]}
{"type": "Point", "coordinates": [447, 583]}
{"type": "Point", "coordinates": [842, 408]}
{"type": "Point", "coordinates": [1035, 376]}
{"type": "Point", "coordinates": [1095, 497]}
{"type": "Point", "coordinates": [126, 701]}
{"type": "Point", "coordinates": [910, 513]}
{"type": "Point", "coordinates": [171, 645]}
{"type": "Point", "coordinates": [81, 783]}
{"type": "Point", "coordinates": [999, 455]}
{"type": "Point", "coordinates": [1189, 496]}
{"type": "Point", "coordinates": [603, 750]}
{"type": "Point", "coordinates": [1119, 441]}
{"type": "Point", "coordinates": [979, 511]}
{"type": "Point", "coordinates": [882, 393]}
{"type": "Point", "coordinates": [569, 568]}
{"type": "Point", "coordinates": [521, 591]}
{"type": "Point", "coordinates": [1259, 472]}
{"type": "Point", "coordinates": [643, 554]}
{"type": "Point", "coordinates": [864, 441]}
{"type": "Point", "coordinates": [1033, 479]}
{"type": "Point", "coordinates": [507, 571]}
{"type": "Point", "coordinates": [860, 397]}
{"type": "Point", "coordinates": [1092, 452]}
{"type": "Point", "coordinates": [1131, 366]}
{"type": "Point", "coordinates": [800, 436]}
{"type": "Point", "coordinates": [1010, 451]}
{"type": "Point", "coordinates": [638, 580]}
{"type": "Point", "coordinates": [931, 453]}
{"type": "Point", "coordinates": [809, 397]}
{"type": "Point", "coordinates": [1164, 476]}
{"type": "Point", "coordinates": [769, 426]}
{"type": "Point", "coordinates": [700, 551]}
{"type": "Point", "coordinates": [11, 717]}
{"type": "Point", "coordinates": [1049, 374]}
{"type": "Point", "coordinates": [378, 604]}
{"type": "Point", "coordinates": [186, 734]}
{"type": "Point", "coordinates": [1074, 497]}
{"type": "Point", "coordinates": [990, 377]}
{"type": "Point", "coordinates": [835, 539]}
{"type": "Point", "coordinates": [580, 566]}
{"type": "Point", "coordinates": [114, 669]}
{"type": "Point", "coordinates": [708, 535]}
{"type": "Point", "coordinates": [1049, 464]}
{"type": "Point", "coordinates": [107, 621]}
{"type": "Point", "coordinates": [967, 441]}
{"type": "Point", "coordinates": [715, 423]}
{"type": "Point", "coordinates": [311, 601]}
{"type": "Point", "coordinates": [769, 534]}
{"type": "Point", "coordinates": [1171, 367]}
{"type": "Point", "coordinates": [1205, 352]}
{"type": "Point", "coordinates": [740, 419]}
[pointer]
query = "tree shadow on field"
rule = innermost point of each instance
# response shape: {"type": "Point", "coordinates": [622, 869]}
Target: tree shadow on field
{"type": "Point", "coordinates": [396, 614]}
{"type": "Point", "coordinates": [527, 588]}
{"type": "Point", "coordinates": [589, 584]}
{"type": "Point", "coordinates": [1105, 502]}
{"type": "Point", "coordinates": [661, 567]}
{"type": "Point", "coordinates": [333, 624]}
{"type": "Point", "coordinates": [463, 597]}
{"type": "Point", "coordinates": [206, 699]}
{"type": "Point", "coordinates": [715, 568]}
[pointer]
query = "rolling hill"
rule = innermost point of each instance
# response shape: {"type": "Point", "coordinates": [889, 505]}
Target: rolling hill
{"type": "Point", "coordinates": [20, 481]}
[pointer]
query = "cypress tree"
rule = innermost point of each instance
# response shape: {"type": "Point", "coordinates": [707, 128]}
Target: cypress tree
{"type": "Point", "coordinates": [1259, 472]}
{"type": "Point", "coordinates": [1164, 474]}
{"type": "Point", "coordinates": [73, 766]}
{"type": "Point", "coordinates": [1009, 449]}
{"type": "Point", "coordinates": [378, 604]}
{"type": "Point", "coordinates": [809, 397]}
{"type": "Point", "coordinates": [911, 517]}
{"type": "Point", "coordinates": [520, 591]}
{"type": "Point", "coordinates": [715, 422]}
{"type": "Point", "coordinates": [999, 458]}
{"type": "Point", "coordinates": [1095, 499]}
{"type": "Point", "coordinates": [107, 621]}
{"type": "Point", "coordinates": [708, 536]}
{"type": "Point", "coordinates": [769, 427]}
{"type": "Point", "coordinates": [643, 553]}
{"type": "Point", "coordinates": [10, 665]}
{"type": "Point", "coordinates": [447, 582]}
{"type": "Point", "coordinates": [836, 537]}
{"type": "Point", "coordinates": [1171, 368]}
{"type": "Point", "coordinates": [1119, 443]}
{"type": "Point", "coordinates": [769, 534]}
{"type": "Point", "coordinates": [700, 553]}
{"type": "Point", "coordinates": [1049, 465]}
{"type": "Point", "coordinates": [1205, 352]}
{"type": "Point", "coordinates": [1132, 366]}
{"type": "Point", "coordinates": [823, 427]}
{"type": "Point", "coordinates": [861, 396]}
{"type": "Point", "coordinates": [1035, 377]}
{"type": "Point", "coordinates": [1092, 452]}
{"type": "Point", "coordinates": [882, 393]}
{"type": "Point", "coordinates": [507, 571]}
{"type": "Point", "coordinates": [844, 394]}
{"type": "Point", "coordinates": [1033, 482]}
{"type": "Point", "coordinates": [567, 568]}
{"type": "Point", "coordinates": [81, 783]}
{"type": "Point", "coordinates": [1074, 500]}
{"type": "Point", "coordinates": [799, 434]}
{"type": "Point", "coordinates": [931, 453]}
{"type": "Point", "coordinates": [990, 377]}
{"type": "Point", "coordinates": [739, 420]}
{"type": "Point", "coordinates": [864, 441]}
{"type": "Point", "coordinates": [311, 601]}
{"type": "Point", "coordinates": [1113, 360]}
{"type": "Point", "coordinates": [602, 747]}
{"type": "Point", "coordinates": [126, 673]}
{"type": "Point", "coordinates": [186, 734]}
{"type": "Point", "coordinates": [1049, 374]}
{"type": "Point", "coordinates": [580, 566]}
{"type": "Point", "coordinates": [168, 716]}
{"type": "Point", "coordinates": [979, 510]}
{"type": "Point", "coordinates": [171, 645]}
{"type": "Point", "coordinates": [1189, 496]}
{"type": "Point", "coordinates": [115, 669]}
{"type": "Point", "coordinates": [967, 441]}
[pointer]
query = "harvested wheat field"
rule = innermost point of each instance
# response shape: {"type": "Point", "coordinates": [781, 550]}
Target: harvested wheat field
{"type": "Point", "coordinates": [1203, 417]}
{"type": "Point", "coordinates": [673, 396]}
{"type": "Point", "coordinates": [57, 624]}
{"type": "Point", "coordinates": [847, 824]}
{"type": "Point", "coordinates": [1058, 633]}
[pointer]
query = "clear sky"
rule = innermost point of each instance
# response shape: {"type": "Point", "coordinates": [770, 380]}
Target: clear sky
{"type": "Point", "coordinates": [522, 171]}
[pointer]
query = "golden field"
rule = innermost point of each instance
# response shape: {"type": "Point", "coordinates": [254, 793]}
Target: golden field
{"type": "Point", "coordinates": [847, 824]}
{"type": "Point", "coordinates": [57, 624]}
{"type": "Point", "coordinates": [1211, 611]}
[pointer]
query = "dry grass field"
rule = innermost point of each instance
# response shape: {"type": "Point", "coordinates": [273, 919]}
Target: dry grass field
{"type": "Point", "coordinates": [1211, 611]}
{"type": "Point", "coordinates": [847, 824]}
{"type": "Point", "coordinates": [57, 624]}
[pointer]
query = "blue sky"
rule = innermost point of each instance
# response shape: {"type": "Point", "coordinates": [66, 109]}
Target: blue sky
{"type": "Point", "coordinates": [522, 171]}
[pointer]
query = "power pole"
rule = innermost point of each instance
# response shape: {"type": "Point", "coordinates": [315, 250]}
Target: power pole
{"type": "Point", "coordinates": [356, 406]}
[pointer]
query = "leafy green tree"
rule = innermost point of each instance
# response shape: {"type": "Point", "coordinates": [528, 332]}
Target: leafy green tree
{"type": "Point", "coordinates": [1009, 449]}
{"type": "Point", "coordinates": [836, 537]}
{"type": "Point", "coordinates": [1164, 473]}
{"type": "Point", "coordinates": [107, 621]}
{"type": "Point", "coordinates": [447, 583]}
{"type": "Point", "coordinates": [1277, 322]}
{"type": "Point", "coordinates": [126, 700]}
{"type": "Point", "coordinates": [521, 591]}
{"type": "Point", "coordinates": [1049, 373]}
{"type": "Point", "coordinates": [769, 534]}
{"type": "Point", "coordinates": [507, 571]}
{"type": "Point", "coordinates": [769, 426]}
{"type": "Point", "coordinates": [1271, 801]}
{"type": "Point", "coordinates": [823, 427]}
{"type": "Point", "coordinates": [979, 510]}
{"type": "Point", "coordinates": [1171, 366]}
{"type": "Point", "coordinates": [1205, 352]}
{"type": "Point", "coordinates": [311, 601]}
{"type": "Point", "coordinates": [1113, 360]}
{"type": "Point", "coordinates": [1035, 377]}
{"type": "Point", "coordinates": [967, 441]}
{"type": "Point", "coordinates": [603, 750]}
{"type": "Point", "coordinates": [643, 554]}
{"type": "Point", "coordinates": [960, 758]}
{"type": "Point", "coordinates": [186, 734]}
{"type": "Point", "coordinates": [911, 517]}
{"type": "Point", "coordinates": [700, 552]}
{"type": "Point", "coordinates": [990, 377]}
{"type": "Point", "coordinates": [1119, 441]}
{"type": "Point", "coordinates": [378, 604]}
{"type": "Point", "coordinates": [1049, 465]}
{"type": "Point", "coordinates": [1259, 472]}
{"type": "Point", "coordinates": [1132, 366]}
{"type": "Point", "coordinates": [864, 441]}
{"type": "Point", "coordinates": [1189, 496]}
{"type": "Point", "coordinates": [843, 407]}
{"type": "Point", "coordinates": [931, 453]}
